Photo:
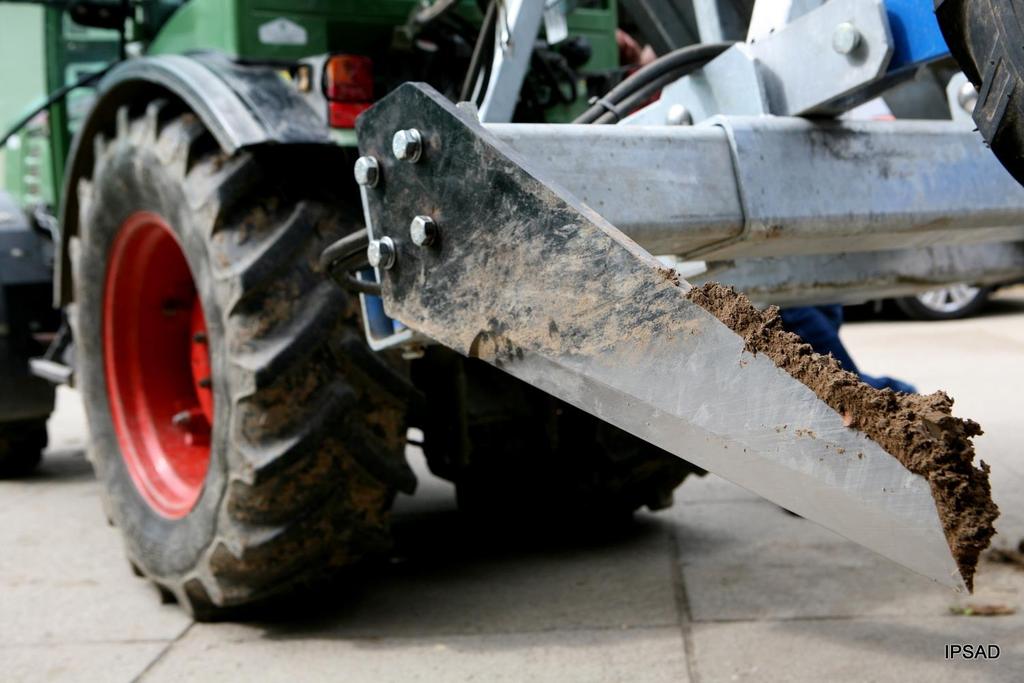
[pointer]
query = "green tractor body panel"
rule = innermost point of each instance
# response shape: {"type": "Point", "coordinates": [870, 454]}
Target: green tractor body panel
{"type": "Point", "coordinates": [279, 30]}
{"type": "Point", "coordinates": [270, 31]}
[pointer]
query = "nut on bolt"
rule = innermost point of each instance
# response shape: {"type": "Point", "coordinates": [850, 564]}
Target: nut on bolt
{"type": "Point", "coordinates": [423, 231]}
{"type": "Point", "coordinates": [367, 171]}
{"type": "Point", "coordinates": [381, 253]}
{"type": "Point", "coordinates": [407, 145]}
{"type": "Point", "coordinates": [845, 38]}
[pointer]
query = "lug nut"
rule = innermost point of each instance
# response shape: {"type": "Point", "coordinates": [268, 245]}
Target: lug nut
{"type": "Point", "coordinates": [407, 145]}
{"type": "Point", "coordinates": [845, 38]}
{"type": "Point", "coordinates": [381, 253]}
{"type": "Point", "coordinates": [423, 231]}
{"type": "Point", "coordinates": [367, 171]}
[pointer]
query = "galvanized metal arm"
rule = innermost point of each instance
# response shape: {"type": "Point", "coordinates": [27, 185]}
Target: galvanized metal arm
{"type": "Point", "coordinates": [743, 187]}
{"type": "Point", "coordinates": [793, 211]}
{"type": "Point", "coordinates": [516, 271]}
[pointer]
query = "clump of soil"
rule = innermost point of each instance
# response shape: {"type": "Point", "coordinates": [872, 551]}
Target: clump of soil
{"type": "Point", "coordinates": [919, 431]}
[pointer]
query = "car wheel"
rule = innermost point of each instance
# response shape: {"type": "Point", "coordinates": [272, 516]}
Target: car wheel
{"type": "Point", "coordinates": [947, 303]}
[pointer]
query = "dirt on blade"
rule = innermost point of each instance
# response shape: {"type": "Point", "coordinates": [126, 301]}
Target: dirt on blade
{"type": "Point", "coordinates": [919, 431]}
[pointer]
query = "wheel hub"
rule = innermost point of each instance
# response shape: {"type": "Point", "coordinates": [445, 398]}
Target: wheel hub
{"type": "Point", "coordinates": [157, 365]}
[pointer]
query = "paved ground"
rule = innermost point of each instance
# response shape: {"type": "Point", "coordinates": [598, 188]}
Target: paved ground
{"type": "Point", "coordinates": [723, 587]}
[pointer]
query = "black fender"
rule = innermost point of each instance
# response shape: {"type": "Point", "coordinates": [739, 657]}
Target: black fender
{"type": "Point", "coordinates": [241, 105]}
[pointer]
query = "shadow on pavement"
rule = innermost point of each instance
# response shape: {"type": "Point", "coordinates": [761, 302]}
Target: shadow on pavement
{"type": "Point", "coordinates": [453, 574]}
{"type": "Point", "coordinates": [60, 467]}
{"type": "Point", "coordinates": [1002, 306]}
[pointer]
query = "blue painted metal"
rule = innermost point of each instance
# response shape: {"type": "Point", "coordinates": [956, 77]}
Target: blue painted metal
{"type": "Point", "coordinates": [378, 321]}
{"type": "Point", "coordinates": [915, 33]}
{"type": "Point", "coordinates": [379, 324]}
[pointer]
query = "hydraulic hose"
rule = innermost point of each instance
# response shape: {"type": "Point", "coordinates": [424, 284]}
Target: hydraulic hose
{"type": "Point", "coordinates": [54, 97]}
{"type": "Point", "coordinates": [662, 70]}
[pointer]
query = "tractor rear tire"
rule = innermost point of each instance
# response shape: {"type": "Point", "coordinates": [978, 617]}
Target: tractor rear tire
{"type": "Point", "coordinates": [303, 426]}
{"type": "Point", "coordinates": [515, 451]}
{"type": "Point", "coordinates": [987, 39]}
{"type": "Point", "coordinates": [21, 447]}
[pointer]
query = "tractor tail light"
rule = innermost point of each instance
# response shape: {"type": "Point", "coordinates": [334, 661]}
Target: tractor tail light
{"type": "Point", "coordinates": [348, 85]}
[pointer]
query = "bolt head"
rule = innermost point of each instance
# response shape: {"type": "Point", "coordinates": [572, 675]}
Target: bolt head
{"type": "Point", "coordinates": [967, 97]}
{"type": "Point", "coordinates": [381, 253]}
{"type": "Point", "coordinates": [407, 145]}
{"type": "Point", "coordinates": [845, 38]}
{"type": "Point", "coordinates": [678, 115]}
{"type": "Point", "coordinates": [423, 231]}
{"type": "Point", "coordinates": [367, 171]}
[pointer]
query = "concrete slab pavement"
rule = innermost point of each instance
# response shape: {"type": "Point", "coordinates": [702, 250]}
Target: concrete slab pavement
{"type": "Point", "coordinates": [722, 587]}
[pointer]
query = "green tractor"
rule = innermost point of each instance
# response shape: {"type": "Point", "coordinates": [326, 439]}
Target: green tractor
{"type": "Point", "coordinates": [247, 438]}
{"type": "Point", "coordinates": [288, 232]}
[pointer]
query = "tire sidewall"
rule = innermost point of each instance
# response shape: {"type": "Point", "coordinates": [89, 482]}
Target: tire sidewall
{"type": "Point", "coordinates": [131, 177]}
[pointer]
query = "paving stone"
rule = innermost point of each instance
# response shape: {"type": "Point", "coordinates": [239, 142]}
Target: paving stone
{"type": "Point", "coordinates": [209, 653]}
{"type": "Point", "coordinates": [77, 662]}
{"type": "Point", "coordinates": [878, 650]}
{"type": "Point", "coordinates": [63, 572]}
{"type": "Point", "coordinates": [452, 576]}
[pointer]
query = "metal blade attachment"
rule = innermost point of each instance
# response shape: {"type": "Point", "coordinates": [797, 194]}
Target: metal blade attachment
{"type": "Point", "coordinates": [521, 274]}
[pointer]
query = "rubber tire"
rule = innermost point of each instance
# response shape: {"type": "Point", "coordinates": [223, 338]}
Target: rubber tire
{"type": "Point", "coordinates": [307, 446]}
{"type": "Point", "coordinates": [987, 39]}
{"type": "Point", "coordinates": [21, 447]}
{"type": "Point", "coordinates": [517, 451]}
{"type": "Point", "coordinates": [915, 310]}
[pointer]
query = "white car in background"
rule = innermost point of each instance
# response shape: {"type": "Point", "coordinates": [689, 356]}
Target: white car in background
{"type": "Point", "coordinates": [948, 303]}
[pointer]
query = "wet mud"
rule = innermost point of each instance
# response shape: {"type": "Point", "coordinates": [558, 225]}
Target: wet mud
{"type": "Point", "coordinates": [919, 431]}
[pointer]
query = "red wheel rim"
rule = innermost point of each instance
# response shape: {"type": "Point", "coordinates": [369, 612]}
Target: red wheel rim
{"type": "Point", "coordinates": [157, 365]}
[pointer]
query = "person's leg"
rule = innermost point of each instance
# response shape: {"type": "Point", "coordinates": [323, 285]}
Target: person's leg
{"type": "Point", "coordinates": [819, 327]}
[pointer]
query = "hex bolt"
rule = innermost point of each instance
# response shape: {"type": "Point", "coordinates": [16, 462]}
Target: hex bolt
{"type": "Point", "coordinates": [407, 145]}
{"type": "Point", "coordinates": [367, 171]}
{"type": "Point", "coordinates": [423, 231]}
{"type": "Point", "coordinates": [845, 38]}
{"type": "Point", "coordinates": [678, 115]}
{"type": "Point", "coordinates": [381, 253]}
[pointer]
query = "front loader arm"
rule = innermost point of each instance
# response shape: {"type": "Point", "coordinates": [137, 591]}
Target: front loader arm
{"type": "Point", "coordinates": [518, 272]}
